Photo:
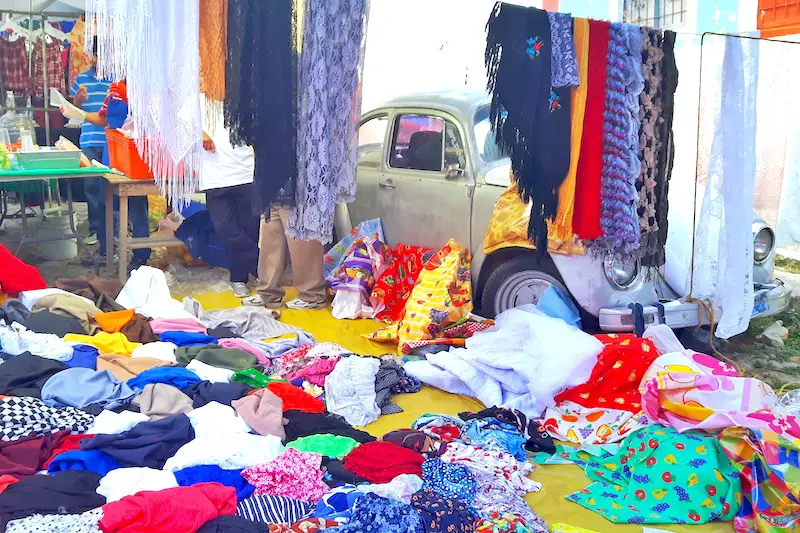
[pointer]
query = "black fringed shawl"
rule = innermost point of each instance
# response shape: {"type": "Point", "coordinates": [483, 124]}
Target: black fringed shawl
{"type": "Point", "coordinates": [666, 152]}
{"type": "Point", "coordinates": [530, 119]}
{"type": "Point", "coordinates": [260, 94]}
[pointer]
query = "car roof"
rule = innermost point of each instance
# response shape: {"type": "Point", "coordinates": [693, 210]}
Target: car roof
{"type": "Point", "coordinates": [459, 102]}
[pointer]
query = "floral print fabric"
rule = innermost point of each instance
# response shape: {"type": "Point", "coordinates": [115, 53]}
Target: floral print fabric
{"type": "Point", "coordinates": [292, 474]}
{"type": "Point", "coordinates": [505, 523]}
{"type": "Point", "coordinates": [394, 286]}
{"type": "Point", "coordinates": [588, 425]}
{"type": "Point", "coordinates": [448, 480]}
{"type": "Point", "coordinates": [443, 515]}
{"type": "Point", "coordinates": [769, 465]}
{"type": "Point", "coordinates": [660, 476]}
{"type": "Point", "coordinates": [373, 513]}
{"type": "Point", "coordinates": [614, 383]}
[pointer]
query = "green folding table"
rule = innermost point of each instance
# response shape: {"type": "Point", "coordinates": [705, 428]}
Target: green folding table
{"type": "Point", "coordinates": [22, 176]}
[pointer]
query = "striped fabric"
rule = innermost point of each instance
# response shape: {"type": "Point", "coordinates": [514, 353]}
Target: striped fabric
{"type": "Point", "coordinates": [91, 135]}
{"type": "Point", "coordinates": [273, 509]}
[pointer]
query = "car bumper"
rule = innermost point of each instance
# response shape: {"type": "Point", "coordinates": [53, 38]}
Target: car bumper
{"type": "Point", "coordinates": [769, 300]}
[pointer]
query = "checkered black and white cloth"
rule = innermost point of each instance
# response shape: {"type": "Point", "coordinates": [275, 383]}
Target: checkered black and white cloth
{"type": "Point", "coordinates": [24, 416]}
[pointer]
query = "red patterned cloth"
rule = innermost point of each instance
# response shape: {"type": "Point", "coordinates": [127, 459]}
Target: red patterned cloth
{"type": "Point", "coordinates": [396, 283]}
{"type": "Point", "coordinates": [14, 62]}
{"type": "Point", "coordinates": [381, 462]}
{"type": "Point", "coordinates": [614, 383]}
{"type": "Point", "coordinates": [455, 335]}
{"type": "Point", "coordinates": [55, 70]}
{"type": "Point", "coordinates": [308, 525]}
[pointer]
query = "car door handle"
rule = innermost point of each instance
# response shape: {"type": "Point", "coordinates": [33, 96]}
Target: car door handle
{"type": "Point", "coordinates": [387, 184]}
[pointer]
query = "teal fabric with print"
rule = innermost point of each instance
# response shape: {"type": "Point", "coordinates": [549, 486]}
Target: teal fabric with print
{"type": "Point", "coordinates": [660, 476]}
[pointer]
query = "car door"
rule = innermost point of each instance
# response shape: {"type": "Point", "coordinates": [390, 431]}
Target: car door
{"type": "Point", "coordinates": [372, 135]}
{"type": "Point", "coordinates": [424, 193]}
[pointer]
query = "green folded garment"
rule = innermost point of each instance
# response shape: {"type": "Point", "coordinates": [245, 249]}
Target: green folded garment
{"type": "Point", "coordinates": [254, 378]}
{"type": "Point", "coordinates": [325, 444]}
{"type": "Point", "coordinates": [214, 355]}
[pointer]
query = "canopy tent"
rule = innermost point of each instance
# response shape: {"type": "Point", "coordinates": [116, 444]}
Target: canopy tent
{"type": "Point", "coordinates": [45, 6]}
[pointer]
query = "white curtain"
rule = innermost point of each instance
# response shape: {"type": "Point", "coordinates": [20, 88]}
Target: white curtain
{"type": "Point", "coordinates": [154, 44]}
{"type": "Point", "coordinates": [723, 252]}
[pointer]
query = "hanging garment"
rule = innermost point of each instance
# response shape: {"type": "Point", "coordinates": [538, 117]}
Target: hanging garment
{"type": "Point", "coordinates": [564, 63]}
{"type": "Point", "coordinates": [586, 218]}
{"type": "Point", "coordinates": [176, 510]}
{"type": "Point", "coordinates": [25, 416]}
{"type": "Point", "coordinates": [530, 118]}
{"type": "Point", "coordinates": [666, 150]}
{"type": "Point", "coordinates": [560, 228]}
{"type": "Point", "coordinates": [213, 49]}
{"type": "Point", "coordinates": [663, 477]}
{"type": "Point", "coordinates": [723, 248]}
{"type": "Point", "coordinates": [262, 52]}
{"type": "Point", "coordinates": [14, 63]}
{"type": "Point", "coordinates": [620, 164]}
{"type": "Point", "coordinates": [329, 108]}
{"type": "Point", "coordinates": [53, 66]}
{"type": "Point", "coordinates": [163, 76]}
{"type": "Point", "coordinates": [769, 470]}
{"type": "Point", "coordinates": [78, 57]}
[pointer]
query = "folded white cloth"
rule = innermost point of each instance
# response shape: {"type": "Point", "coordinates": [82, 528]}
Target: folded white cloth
{"type": "Point", "coordinates": [210, 373]}
{"type": "Point", "coordinates": [28, 298]}
{"type": "Point", "coordinates": [214, 418]}
{"type": "Point", "coordinates": [128, 481]}
{"type": "Point", "coordinates": [228, 451]}
{"type": "Point", "coordinates": [157, 350]}
{"type": "Point", "coordinates": [350, 390]}
{"type": "Point", "coordinates": [111, 423]}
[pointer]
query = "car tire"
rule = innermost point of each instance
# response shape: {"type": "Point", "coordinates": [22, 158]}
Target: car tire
{"type": "Point", "coordinates": [521, 280]}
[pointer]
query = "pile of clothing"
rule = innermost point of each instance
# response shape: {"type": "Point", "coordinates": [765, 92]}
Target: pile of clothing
{"type": "Point", "coordinates": [125, 410]}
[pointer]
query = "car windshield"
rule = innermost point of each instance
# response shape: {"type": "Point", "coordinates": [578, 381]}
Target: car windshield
{"type": "Point", "coordinates": [484, 137]}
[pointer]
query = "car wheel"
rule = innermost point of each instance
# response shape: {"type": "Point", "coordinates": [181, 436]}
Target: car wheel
{"type": "Point", "coordinates": [522, 280]}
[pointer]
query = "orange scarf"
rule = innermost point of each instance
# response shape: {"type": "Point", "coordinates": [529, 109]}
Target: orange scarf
{"type": "Point", "coordinates": [213, 48]}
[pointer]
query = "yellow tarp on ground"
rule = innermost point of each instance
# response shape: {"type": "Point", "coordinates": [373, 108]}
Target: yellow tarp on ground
{"type": "Point", "coordinates": [557, 480]}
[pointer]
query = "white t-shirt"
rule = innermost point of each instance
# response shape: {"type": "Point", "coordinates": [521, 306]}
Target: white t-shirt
{"type": "Point", "coordinates": [229, 165]}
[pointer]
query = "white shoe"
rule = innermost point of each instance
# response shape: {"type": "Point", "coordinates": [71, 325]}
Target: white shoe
{"type": "Point", "coordinates": [258, 301]}
{"type": "Point", "coordinates": [299, 304]}
{"type": "Point", "coordinates": [91, 239]}
{"type": "Point", "coordinates": [240, 289]}
{"type": "Point", "coordinates": [253, 282]}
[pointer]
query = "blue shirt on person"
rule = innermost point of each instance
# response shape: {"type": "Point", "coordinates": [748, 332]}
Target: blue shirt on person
{"type": "Point", "coordinates": [96, 90]}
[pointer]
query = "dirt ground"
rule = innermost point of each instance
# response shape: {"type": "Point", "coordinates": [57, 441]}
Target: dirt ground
{"type": "Point", "coordinates": [779, 366]}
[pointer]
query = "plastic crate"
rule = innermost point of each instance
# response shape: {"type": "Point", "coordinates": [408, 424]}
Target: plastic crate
{"type": "Point", "coordinates": [49, 159]}
{"type": "Point", "coordinates": [123, 156]}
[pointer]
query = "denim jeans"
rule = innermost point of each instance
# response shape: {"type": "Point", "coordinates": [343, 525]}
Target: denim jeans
{"type": "Point", "coordinates": [92, 188]}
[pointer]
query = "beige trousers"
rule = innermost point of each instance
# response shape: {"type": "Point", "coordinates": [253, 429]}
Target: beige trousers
{"type": "Point", "coordinates": [305, 258]}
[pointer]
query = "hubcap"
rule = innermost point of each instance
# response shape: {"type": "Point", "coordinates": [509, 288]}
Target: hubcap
{"type": "Point", "coordinates": [524, 288]}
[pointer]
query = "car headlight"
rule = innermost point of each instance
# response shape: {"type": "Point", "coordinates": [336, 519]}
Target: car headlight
{"type": "Point", "coordinates": [762, 244]}
{"type": "Point", "coordinates": [620, 274]}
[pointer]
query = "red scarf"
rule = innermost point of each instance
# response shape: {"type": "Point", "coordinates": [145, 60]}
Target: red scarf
{"type": "Point", "coordinates": [586, 217]}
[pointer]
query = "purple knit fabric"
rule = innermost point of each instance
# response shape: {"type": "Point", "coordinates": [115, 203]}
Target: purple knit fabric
{"type": "Point", "coordinates": [618, 216]}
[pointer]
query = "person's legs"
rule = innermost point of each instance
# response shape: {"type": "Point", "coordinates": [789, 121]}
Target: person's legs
{"type": "Point", "coordinates": [101, 226]}
{"type": "Point", "coordinates": [307, 273]}
{"type": "Point", "coordinates": [249, 224]}
{"type": "Point", "coordinates": [92, 188]}
{"type": "Point", "coordinates": [224, 207]}
{"type": "Point", "coordinates": [138, 212]}
{"type": "Point", "coordinates": [272, 259]}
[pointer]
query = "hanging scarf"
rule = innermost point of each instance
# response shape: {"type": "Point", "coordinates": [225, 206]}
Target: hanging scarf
{"type": "Point", "coordinates": [530, 119]}
{"type": "Point", "coordinates": [649, 140]}
{"type": "Point", "coordinates": [154, 46]}
{"type": "Point", "coordinates": [261, 94]}
{"type": "Point", "coordinates": [564, 65]}
{"type": "Point", "coordinates": [213, 48]}
{"type": "Point", "coordinates": [666, 151]}
{"type": "Point", "coordinates": [561, 227]}
{"type": "Point", "coordinates": [329, 110]}
{"type": "Point", "coordinates": [621, 165]}
{"type": "Point", "coordinates": [586, 217]}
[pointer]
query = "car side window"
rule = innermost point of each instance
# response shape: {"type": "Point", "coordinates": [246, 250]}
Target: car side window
{"type": "Point", "coordinates": [417, 143]}
{"type": "Point", "coordinates": [454, 153]}
{"type": "Point", "coordinates": [371, 136]}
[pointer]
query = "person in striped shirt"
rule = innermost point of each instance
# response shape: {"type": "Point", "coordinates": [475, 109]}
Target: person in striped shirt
{"type": "Point", "coordinates": [89, 92]}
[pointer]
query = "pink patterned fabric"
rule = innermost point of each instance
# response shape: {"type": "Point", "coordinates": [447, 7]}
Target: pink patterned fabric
{"type": "Point", "coordinates": [246, 347]}
{"type": "Point", "coordinates": [160, 325]}
{"type": "Point", "coordinates": [316, 372]}
{"type": "Point", "coordinates": [292, 474]}
{"type": "Point", "coordinates": [687, 390]}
